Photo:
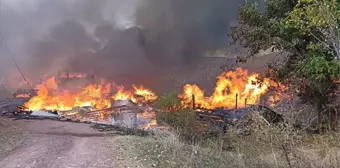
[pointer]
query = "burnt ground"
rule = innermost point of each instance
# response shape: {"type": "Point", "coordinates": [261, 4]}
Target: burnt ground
{"type": "Point", "coordinates": [53, 144]}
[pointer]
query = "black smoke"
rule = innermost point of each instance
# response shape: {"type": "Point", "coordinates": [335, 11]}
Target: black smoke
{"type": "Point", "coordinates": [88, 36]}
{"type": "Point", "coordinates": [109, 53]}
{"type": "Point", "coordinates": [181, 31]}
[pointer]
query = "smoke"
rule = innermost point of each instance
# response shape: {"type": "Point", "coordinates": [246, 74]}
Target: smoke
{"type": "Point", "coordinates": [180, 31]}
{"type": "Point", "coordinates": [48, 36]}
{"type": "Point", "coordinates": [111, 38]}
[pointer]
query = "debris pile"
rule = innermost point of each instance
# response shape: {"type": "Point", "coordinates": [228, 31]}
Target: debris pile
{"type": "Point", "coordinates": [122, 113]}
{"type": "Point", "coordinates": [226, 117]}
{"type": "Point", "coordinates": [235, 95]}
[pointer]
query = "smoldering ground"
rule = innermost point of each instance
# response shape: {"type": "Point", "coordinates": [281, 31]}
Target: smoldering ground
{"type": "Point", "coordinates": [116, 39]}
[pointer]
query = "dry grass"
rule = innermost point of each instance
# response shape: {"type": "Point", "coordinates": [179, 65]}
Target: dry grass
{"type": "Point", "coordinates": [268, 146]}
{"type": "Point", "coordinates": [164, 149]}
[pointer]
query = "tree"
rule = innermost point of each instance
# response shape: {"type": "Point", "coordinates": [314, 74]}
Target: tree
{"type": "Point", "coordinates": [308, 31]}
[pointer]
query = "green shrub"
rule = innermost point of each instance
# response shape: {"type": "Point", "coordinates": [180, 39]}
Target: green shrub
{"type": "Point", "coordinates": [168, 102]}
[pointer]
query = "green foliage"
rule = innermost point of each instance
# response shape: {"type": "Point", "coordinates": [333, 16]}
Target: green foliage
{"type": "Point", "coordinates": [261, 30]}
{"type": "Point", "coordinates": [312, 22]}
{"type": "Point", "coordinates": [297, 27]}
{"type": "Point", "coordinates": [317, 69]}
{"type": "Point", "coordinates": [169, 102]}
{"type": "Point", "coordinates": [308, 31]}
{"type": "Point", "coordinates": [309, 14]}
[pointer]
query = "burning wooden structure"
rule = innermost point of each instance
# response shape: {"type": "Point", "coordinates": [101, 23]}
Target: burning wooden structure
{"type": "Point", "coordinates": [225, 117]}
{"type": "Point", "coordinates": [237, 93]}
{"type": "Point", "coordinates": [124, 113]}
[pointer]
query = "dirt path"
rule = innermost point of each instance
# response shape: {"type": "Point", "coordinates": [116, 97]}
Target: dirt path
{"type": "Point", "coordinates": [53, 144]}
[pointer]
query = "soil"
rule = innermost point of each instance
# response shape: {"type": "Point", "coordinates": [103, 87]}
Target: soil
{"type": "Point", "coordinates": [54, 144]}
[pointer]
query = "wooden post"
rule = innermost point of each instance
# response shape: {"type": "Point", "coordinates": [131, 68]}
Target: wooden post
{"type": "Point", "coordinates": [236, 101]}
{"type": "Point", "coordinates": [193, 102]}
{"type": "Point", "coordinates": [245, 103]}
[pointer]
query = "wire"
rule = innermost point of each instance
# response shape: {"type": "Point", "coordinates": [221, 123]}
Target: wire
{"type": "Point", "coordinates": [15, 63]}
{"type": "Point", "coordinates": [10, 53]}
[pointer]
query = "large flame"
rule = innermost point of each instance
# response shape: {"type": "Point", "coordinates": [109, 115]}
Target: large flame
{"type": "Point", "coordinates": [123, 95]}
{"type": "Point", "coordinates": [146, 93]}
{"type": "Point", "coordinates": [51, 97]}
{"type": "Point", "coordinates": [233, 88]}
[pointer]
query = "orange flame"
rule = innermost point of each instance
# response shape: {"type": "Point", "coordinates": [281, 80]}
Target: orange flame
{"type": "Point", "coordinates": [153, 123]}
{"type": "Point", "coordinates": [230, 85]}
{"type": "Point", "coordinates": [146, 93]}
{"type": "Point", "coordinates": [50, 97]}
{"type": "Point", "coordinates": [123, 95]}
{"type": "Point", "coordinates": [148, 115]}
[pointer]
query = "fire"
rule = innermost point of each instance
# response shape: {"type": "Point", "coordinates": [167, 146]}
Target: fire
{"type": "Point", "coordinates": [123, 95]}
{"type": "Point", "coordinates": [280, 93]}
{"type": "Point", "coordinates": [191, 91]}
{"type": "Point", "coordinates": [231, 86]}
{"type": "Point", "coordinates": [151, 116]}
{"type": "Point", "coordinates": [153, 123]}
{"type": "Point", "coordinates": [146, 93]}
{"type": "Point", "coordinates": [51, 97]}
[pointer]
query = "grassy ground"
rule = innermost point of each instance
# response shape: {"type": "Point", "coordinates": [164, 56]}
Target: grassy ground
{"type": "Point", "coordinates": [10, 137]}
{"type": "Point", "coordinates": [265, 148]}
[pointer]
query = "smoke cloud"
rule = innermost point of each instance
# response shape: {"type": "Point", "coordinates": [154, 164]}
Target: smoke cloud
{"type": "Point", "coordinates": [130, 39]}
{"type": "Point", "coordinates": [181, 30]}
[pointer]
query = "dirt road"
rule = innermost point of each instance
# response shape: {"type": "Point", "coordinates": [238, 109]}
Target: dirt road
{"type": "Point", "coordinates": [53, 144]}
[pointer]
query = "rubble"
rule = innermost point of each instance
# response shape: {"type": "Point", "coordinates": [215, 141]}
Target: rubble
{"type": "Point", "coordinates": [44, 114]}
{"type": "Point", "coordinates": [125, 113]}
{"type": "Point", "coordinates": [122, 113]}
{"type": "Point", "coordinates": [224, 118]}
{"type": "Point", "coordinates": [129, 115]}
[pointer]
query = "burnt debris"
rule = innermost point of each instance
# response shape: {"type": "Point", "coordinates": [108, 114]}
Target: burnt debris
{"type": "Point", "coordinates": [225, 118]}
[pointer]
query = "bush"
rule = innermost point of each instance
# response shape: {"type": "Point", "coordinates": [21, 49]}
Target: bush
{"type": "Point", "coordinates": [184, 122]}
{"type": "Point", "coordinates": [168, 102]}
